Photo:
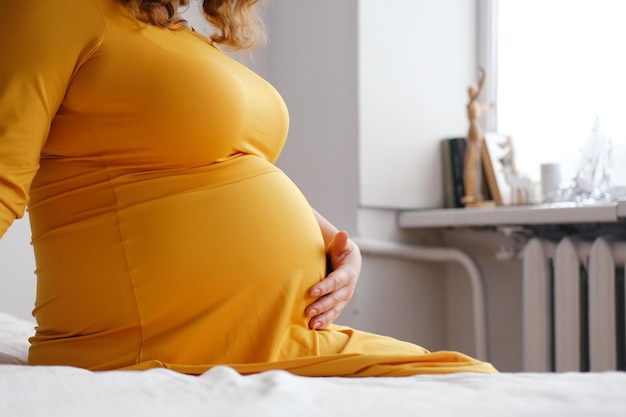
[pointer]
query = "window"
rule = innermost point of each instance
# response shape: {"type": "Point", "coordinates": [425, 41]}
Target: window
{"type": "Point", "coordinates": [557, 65]}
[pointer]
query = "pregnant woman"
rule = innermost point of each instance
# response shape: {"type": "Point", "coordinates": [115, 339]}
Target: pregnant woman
{"type": "Point", "coordinates": [164, 235]}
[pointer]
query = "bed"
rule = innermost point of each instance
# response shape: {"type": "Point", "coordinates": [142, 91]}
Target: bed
{"type": "Point", "coordinates": [66, 391]}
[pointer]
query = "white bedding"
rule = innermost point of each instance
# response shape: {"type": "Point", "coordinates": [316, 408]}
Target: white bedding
{"type": "Point", "coordinates": [66, 391]}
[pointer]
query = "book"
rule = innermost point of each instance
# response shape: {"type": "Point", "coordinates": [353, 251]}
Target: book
{"type": "Point", "coordinates": [446, 164]}
{"type": "Point", "coordinates": [453, 154]}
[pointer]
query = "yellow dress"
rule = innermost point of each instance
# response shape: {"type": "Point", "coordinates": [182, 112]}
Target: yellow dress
{"type": "Point", "coordinates": [163, 233]}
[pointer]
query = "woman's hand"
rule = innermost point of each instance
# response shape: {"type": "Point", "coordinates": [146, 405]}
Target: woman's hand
{"type": "Point", "coordinates": [334, 292]}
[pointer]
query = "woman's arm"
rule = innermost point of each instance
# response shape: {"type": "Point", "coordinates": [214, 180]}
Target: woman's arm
{"type": "Point", "coordinates": [335, 291]}
{"type": "Point", "coordinates": [49, 40]}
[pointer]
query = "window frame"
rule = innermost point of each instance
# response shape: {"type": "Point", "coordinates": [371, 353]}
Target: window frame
{"type": "Point", "coordinates": [487, 50]}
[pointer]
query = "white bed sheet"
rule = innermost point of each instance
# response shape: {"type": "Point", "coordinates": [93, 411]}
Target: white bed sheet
{"type": "Point", "coordinates": [65, 391]}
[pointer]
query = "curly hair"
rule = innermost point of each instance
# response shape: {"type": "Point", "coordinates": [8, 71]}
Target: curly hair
{"type": "Point", "coordinates": [237, 23]}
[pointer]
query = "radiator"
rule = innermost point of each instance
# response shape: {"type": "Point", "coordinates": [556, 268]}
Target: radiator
{"type": "Point", "coordinates": [574, 314]}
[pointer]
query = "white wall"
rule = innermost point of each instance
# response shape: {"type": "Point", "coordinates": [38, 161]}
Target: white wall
{"type": "Point", "coordinates": [416, 60]}
{"type": "Point", "coordinates": [17, 267]}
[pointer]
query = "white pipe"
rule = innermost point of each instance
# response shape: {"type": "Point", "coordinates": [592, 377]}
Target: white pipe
{"type": "Point", "coordinates": [436, 254]}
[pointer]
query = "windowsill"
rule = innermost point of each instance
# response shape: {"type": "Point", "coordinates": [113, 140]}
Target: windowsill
{"type": "Point", "coordinates": [513, 215]}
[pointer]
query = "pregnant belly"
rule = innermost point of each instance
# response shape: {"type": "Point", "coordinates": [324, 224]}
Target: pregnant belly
{"type": "Point", "coordinates": [230, 261]}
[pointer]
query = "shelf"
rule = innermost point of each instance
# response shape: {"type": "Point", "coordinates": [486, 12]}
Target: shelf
{"type": "Point", "coordinates": [566, 213]}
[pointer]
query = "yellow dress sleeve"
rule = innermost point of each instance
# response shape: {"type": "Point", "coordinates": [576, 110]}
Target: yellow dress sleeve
{"type": "Point", "coordinates": [43, 43]}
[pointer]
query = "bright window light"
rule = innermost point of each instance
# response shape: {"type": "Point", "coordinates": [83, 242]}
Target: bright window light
{"type": "Point", "coordinates": [560, 65]}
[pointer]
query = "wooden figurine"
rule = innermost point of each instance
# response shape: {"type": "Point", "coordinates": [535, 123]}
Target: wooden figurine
{"type": "Point", "coordinates": [472, 167]}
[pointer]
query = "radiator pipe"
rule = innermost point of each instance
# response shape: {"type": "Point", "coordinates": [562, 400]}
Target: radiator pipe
{"type": "Point", "coordinates": [374, 247]}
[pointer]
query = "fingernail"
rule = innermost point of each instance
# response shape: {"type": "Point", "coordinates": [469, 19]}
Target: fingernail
{"type": "Point", "coordinates": [316, 292]}
{"type": "Point", "coordinates": [313, 312]}
{"type": "Point", "coordinates": [317, 325]}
